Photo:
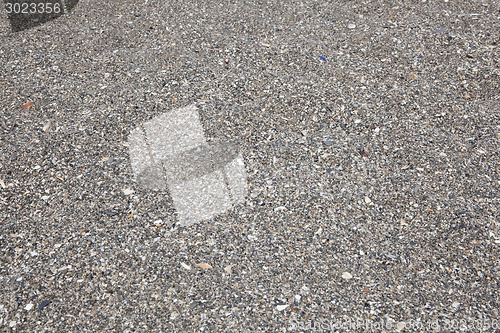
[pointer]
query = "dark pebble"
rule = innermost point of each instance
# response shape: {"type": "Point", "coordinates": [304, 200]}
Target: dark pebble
{"type": "Point", "coordinates": [43, 304]}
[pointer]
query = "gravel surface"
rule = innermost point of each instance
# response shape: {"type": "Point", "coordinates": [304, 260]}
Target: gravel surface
{"type": "Point", "coordinates": [370, 135]}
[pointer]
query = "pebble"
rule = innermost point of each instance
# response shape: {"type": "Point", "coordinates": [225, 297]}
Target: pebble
{"type": "Point", "coordinates": [351, 26]}
{"type": "Point", "coordinates": [328, 143]}
{"type": "Point", "coordinates": [44, 304]}
{"type": "Point", "coordinates": [282, 307]}
{"type": "Point", "coordinates": [346, 275]}
{"type": "Point", "coordinates": [28, 307]}
{"type": "Point", "coordinates": [47, 125]}
{"type": "Point", "coordinates": [128, 191]}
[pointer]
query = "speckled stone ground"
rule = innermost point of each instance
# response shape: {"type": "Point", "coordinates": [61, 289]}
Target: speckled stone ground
{"type": "Point", "coordinates": [370, 132]}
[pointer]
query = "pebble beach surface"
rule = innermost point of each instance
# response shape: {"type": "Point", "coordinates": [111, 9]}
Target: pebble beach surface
{"type": "Point", "coordinates": [370, 136]}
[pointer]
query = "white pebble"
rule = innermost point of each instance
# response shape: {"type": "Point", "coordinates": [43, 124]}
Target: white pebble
{"type": "Point", "coordinates": [282, 307]}
{"type": "Point", "coordinates": [128, 191]}
{"type": "Point", "coordinates": [28, 307]}
{"type": "Point", "coordinates": [347, 275]}
{"type": "Point", "coordinates": [305, 289]}
{"type": "Point", "coordinates": [351, 26]}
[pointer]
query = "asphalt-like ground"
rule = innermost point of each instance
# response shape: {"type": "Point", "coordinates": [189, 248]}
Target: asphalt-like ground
{"type": "Point", "coordinates": [370, 135]}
